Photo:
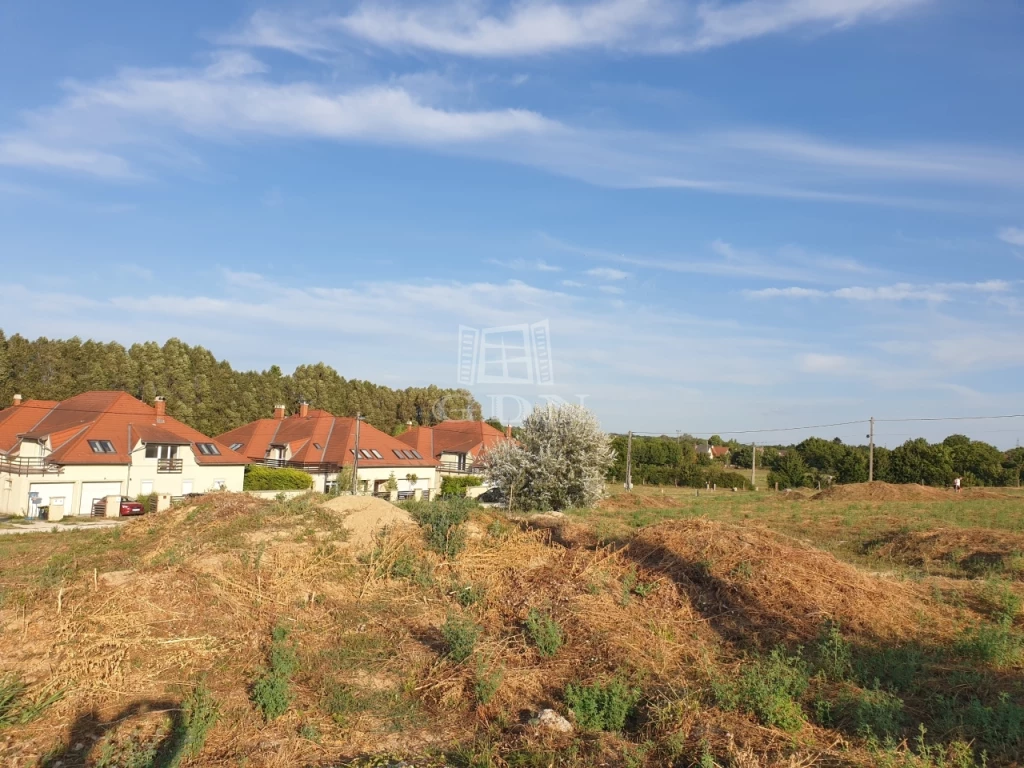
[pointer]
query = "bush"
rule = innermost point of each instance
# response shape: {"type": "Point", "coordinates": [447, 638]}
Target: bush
{"type": "Point", "coordinates": [272, 691]}
{"type": "Point", "coordinates": [602, 707]}
{"type": "Point", "coordinates": [769, 688]}
{"type": "Point", "coordinates": [544, 632]}
{"type": "Point", "coordinates": [259, 478]}
{"type": "Point", "coordinates": [460, 636]}
{"type": "Point", "coordinates": [488, 681]}
{"type": "Point", "coordinates": [442, 521]}
{"type": "Point", "coordinates": [833, 654]}
{"type": "Point", "coordinates": [875, 713]}
{"type": "Point", "coordinates": [198, 716]}
{"type": "Point", "coordinates": [996, 644]}
{"type": "Point", "coordinates": [455, 487]}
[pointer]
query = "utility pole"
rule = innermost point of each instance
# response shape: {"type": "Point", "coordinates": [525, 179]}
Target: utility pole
{"type": "Point", "coordinates": [629, 462]}
{"type": "Point", "coordinates": [871, 452]}
{"type": "Point", "coordinates": [355, 464]}
{"type": "Point", "coordinates": [753, 466]}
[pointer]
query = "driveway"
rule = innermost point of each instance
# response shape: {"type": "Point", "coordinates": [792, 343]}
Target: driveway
{"type": "Point", "coordinates": [44, 526]}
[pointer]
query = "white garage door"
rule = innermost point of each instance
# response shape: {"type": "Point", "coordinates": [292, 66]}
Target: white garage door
{"type": "Point", "coordinates": [39, 495]}
{"type": "Point", "coordinates": [93, 491]}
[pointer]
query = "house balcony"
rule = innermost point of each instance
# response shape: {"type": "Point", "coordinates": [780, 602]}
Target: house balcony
{"type": "Point", "coordinates": [168, 466]}
{"type": "Point", "coordinates": [28, 465]}
{"type": "Point", "coordinates": [314, 468]}
{"type": "Point", "coordinates": [455, 468]}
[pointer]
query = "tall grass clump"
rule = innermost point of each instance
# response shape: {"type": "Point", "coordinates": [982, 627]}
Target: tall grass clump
{"type": "Point", "coordinates": [460, 636]}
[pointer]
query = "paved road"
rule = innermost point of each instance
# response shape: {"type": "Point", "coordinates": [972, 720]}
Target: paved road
{"type": "Point", "coordinates": [43, 526]}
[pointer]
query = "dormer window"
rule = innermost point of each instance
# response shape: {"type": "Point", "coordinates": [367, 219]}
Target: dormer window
{"type": "Point", "coordinates": [102, 446]}
{"type": "Point", "coordinates": [208, 449]}
{"type": "Point", "coordinates": [156, 451]}
{"type": "Point", "coordinates": [236, 446]}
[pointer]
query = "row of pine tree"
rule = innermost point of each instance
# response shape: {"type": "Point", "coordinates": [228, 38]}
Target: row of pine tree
{"type": "Point", "coordinates": [206, 393]}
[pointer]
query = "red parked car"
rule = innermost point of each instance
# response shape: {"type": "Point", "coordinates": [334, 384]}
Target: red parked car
{"type": "Point", "coordinates": [131, 508]}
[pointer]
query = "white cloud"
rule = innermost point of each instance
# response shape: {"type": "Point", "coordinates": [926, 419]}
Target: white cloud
{"type": "Point", "coordinates": [537, 265]}
{"type": "Point", "coordinates": [936, 292]}
{"type": "Point", "coordinates": [1012, 235]}
{"type": "Point", "coordinates": [572, 284]}
{"type": "Point", "coordinates": [541, 27]}
{"type": "Point", "coordinates": [27, 153]}
{"type": "Point", "coordinates": [612, 289]}
{"type": "Point", "coordinates": [827, 364]}
{"type": "Point", "coordinates": [607, 273]}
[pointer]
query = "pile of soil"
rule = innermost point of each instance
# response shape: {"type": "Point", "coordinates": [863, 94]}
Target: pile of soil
{"type": "Point", "coordinates": [885, 492]}
{"type": "Point", "coordinates": [365, 516]}
{"type": "Point", "coordinates": [975, 550]}
{"type": "Point", "coordinates": [626, 502]}
{"type": "Point", "coordinates": [753, 583]}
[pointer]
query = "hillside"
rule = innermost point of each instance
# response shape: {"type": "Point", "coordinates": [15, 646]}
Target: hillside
{"type": "Point", "coordinates": [690, 642]}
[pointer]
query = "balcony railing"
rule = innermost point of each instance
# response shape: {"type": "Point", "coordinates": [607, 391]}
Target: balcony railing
{"type": "Point", "coordinates": [29, 465]}
{"type": "Point", "coordinates": [453, 467]}
{"type": "Point", "coordinates": [316, 468]}
{"type": "Point", "coordinates": [168, 466]}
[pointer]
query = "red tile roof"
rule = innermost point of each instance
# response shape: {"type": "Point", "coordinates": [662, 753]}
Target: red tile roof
{"type": "Point", "coordinates": [717, 451]}
{"type": "Point", "coordinates": [113, 416]}
{"type": "Point", "coordinates": [322, 438]}
{"type": "Point", "coordinates": [469, 437]}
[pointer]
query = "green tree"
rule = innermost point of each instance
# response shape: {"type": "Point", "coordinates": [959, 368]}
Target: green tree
{"type": "Point", "coordinates": [917, 461]}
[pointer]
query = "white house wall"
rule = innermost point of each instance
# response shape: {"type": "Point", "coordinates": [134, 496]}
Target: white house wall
{"type": "Point", "coordinates": [14, 489]}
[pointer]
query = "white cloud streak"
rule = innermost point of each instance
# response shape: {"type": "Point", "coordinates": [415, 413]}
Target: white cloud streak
{"type": "Point", "coordinates": [607, 273]}
{"type": "Point", "coordinates": [1012, 235]}
{"type": "Point", "coordinates": [937, 292]}
{"type": "Point", "coordinates": [476, 28]}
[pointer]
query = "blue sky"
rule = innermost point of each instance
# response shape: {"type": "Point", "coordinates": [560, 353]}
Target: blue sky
{"type": "Point", "coordinates": [739, 214]}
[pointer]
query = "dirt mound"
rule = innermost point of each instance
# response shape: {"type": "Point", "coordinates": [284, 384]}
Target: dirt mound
{"type": "Point", "coordinates": [884, 492]}
{"type": "Point", "coordinates": [365, 515]}
{"type": "Point", "coordinates": [752, 583]}
{"type": "Point", "coordinates": [978, 551]}
{"type": "Point", "coordinates": [625, 502]}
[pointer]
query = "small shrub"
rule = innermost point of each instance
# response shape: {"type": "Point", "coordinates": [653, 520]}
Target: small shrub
{"type": "Point", "coordinates": [544, 632]}
{"type": "Point", "coordinates": [132, 752]}
{"type": "Point", "coordinates": [199, 714]}
{"type": "Point", "coordinates": [769, 688]}
{"type": "Point", "coordinates": [833, 654]}
{"type": "Point", "coordinates": [602, 706]}
{"type": "Point", "coordinates": [893, 668]}
{"type": "Point", "coordinates": [875, 712]}
{"type": "Point", "coordinates": [258, 478]}
{"type": "Point", "coordinates": [310, 732]}
{"type": "Point", "coordinates": [460, 636]}
{"type": "Point", "coordinates": [468, 595]}
{"type": "Point", "coordinates": [1003, 603]}
{"type": "Point", "coordinates": [272, 692]}
{"type": "Point", "coordinates": [456, 486]}
{"type": "Point", "coordinates": [995, 644]}
{"type": "Point", "coordinates": [443, 522]}
{"type": "Point", "coordinates": [488, 681]}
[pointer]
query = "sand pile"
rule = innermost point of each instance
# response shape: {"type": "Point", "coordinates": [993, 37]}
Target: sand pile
{"type": "Point", "coordinates": [365, 515]}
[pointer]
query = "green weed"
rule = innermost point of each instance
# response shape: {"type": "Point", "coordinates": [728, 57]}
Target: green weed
{"type": "Point", "coordinates": [833, 654]}
{"type": "Point", "coordinates": [460, 636]}
{"type": "Point", "coordinates": [443, 523]}
{"type": "Point", "coordinates": [272, 692]}
{"type": "Point", "coordinates": [769, 688]}
{"type": "Point", "coordinates": [488, 681]}
{"type": "Point", "coordinates": [995, 644]}
{"type": "Point", "coordinates": [602, 706]}
{"type": "Point", "coordinates": [544, 632]}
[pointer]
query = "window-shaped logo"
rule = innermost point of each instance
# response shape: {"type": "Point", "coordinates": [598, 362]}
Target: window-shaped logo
{"type": "Point", "coordinates": [513, 354]}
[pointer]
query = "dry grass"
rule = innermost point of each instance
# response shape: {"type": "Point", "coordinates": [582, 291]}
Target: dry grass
{"type": "Point", "coordinates": [673, 610]}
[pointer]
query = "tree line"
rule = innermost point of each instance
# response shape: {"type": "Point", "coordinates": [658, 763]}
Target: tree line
{"type": "Point", "coordinates": [207, 393]}
{"type": "Point", "coordinates": [820, 462]}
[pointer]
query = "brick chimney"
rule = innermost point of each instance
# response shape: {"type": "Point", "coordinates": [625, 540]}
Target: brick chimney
{"type": "Point", "coordinates": [508, 431]}
{"type": "Point", "coordinates": [278, 412]}
{"type": "Point", "coordinates": [17, 400]}
{"type": "Point", "coordinates": [160, 403]}
{"type": "Point", "coordinates": [303, 409]}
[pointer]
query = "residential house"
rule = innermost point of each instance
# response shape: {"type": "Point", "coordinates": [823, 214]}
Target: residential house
{"type": "Point", "coordinates": [711, 451]}
{"type": "Point", "coordinates": [323, 445]}
{"type": "Point", "coordinates": [456, 446]}
{"type": "Point", "coordinates": [80, 450]}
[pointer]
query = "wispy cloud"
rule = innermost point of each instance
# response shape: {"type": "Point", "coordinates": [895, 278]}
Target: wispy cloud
{"type": "Point", "coordinates": [524, 265]}
{"type": "Point", "coordinates": [899, 292]}
{"type": "Point", "coordinates": [26, 153]}
{"type": "Point", "coordinates": [1012, 235]}
{"type": "Point", "coordinates": [607, 273]}
{"type": "Point", "coordinates": [544, 27]}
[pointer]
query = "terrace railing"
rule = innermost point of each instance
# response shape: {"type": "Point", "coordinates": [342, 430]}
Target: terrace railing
{"type": "Point", "coordinates": [168, 466]}
{"type": "Point", "coordinates": [28, 465]}
{"type": "Point", "coordinates": [316, 468]}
